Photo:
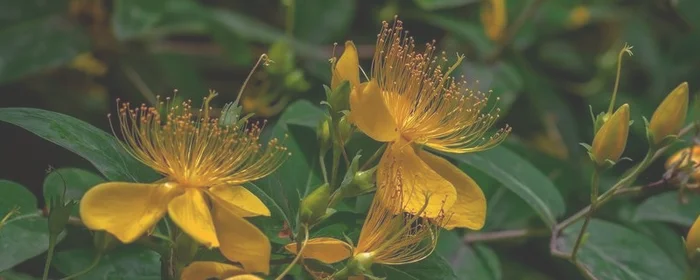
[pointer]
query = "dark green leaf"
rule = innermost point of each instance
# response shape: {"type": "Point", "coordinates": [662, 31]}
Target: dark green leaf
{"type": "Point", "coordinates": [299, 174]}
{"type": "Point", "coordinates": [134, 18]}
{"type": "Point", "coordinates": [506, 210]}
{"type": "Point", "coordinates": [74, 181]}
{"type": "Point", "coordinates": [520, 177]}
{"type": "Point", "coordinates": [442, 4]}
{"type": "Point", "coordinates": [11, 275]}
{"type": "Point", "coordinates": [18, 12]}
{"type": "Point", "coordinates": [272, 225]}
{"type": "Point", "coordinates": [667, 207]}
{"type": "Point", "coordinates": [122, 263]}
{"type": "Point", "coordinates": [465, 31]}
{"type": "Point", "coordinates": [23, 238]}
{"type": "Point", "coordinates": [16, 196]}
{"type": "Point", "coordinates": [336, 17]}
{"type": "Point", "coordinates": [89, 142]}
{"type": "Point", "coordinates": [502, 79]}
{"type": "Point", "coordinates": [615, 252]}
{"type": "Point", "coordinates": [432, 267]}
{"type": "Point", "coordinates": [38, 45]}
{"type": "Point", "coordinates": [667, 239]}
{"type": "Point", "coordinates": [469, 261]}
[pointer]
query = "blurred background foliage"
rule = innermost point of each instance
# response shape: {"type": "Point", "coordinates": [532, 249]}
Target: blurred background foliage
{"type": "Point", "coordinates": [546, 60]}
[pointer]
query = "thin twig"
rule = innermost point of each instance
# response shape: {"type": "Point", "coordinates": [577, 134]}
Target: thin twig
{"type": "Point", "coordinates": [504, 235]}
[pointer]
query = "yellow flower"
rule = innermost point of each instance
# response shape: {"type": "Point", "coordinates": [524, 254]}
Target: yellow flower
{"type": "Point", "coordinates": [692, 242]}
{"type": "Point", "coordinates": [687, 157]}
{"type": "Point", "coordinates": [385, 238]}
{"type": "Point", "coordinates": [204, 166]}
{"type": "Point", "coordinates": [494, 17]}
{"type": "Point", "coordinates": [209, 270]}
{"type": "Point", "coordinates": [412, 100]}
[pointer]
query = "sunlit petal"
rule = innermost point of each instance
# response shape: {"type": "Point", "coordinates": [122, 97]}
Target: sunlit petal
{"type": "Point", "coordinates": [244, 277]}
{"type": "Point", "coordinates": [191, 213]}
{"type": "Point", "coordinates": [207, 270]}
{"type": "Point", "coordinates": [239, 240]}
{"type": "Point", "coordinates": [126, 210]}
{"type": "Point", "coordinates": [418, 180]}
{"type": "Point", "coordinates": [369, 112]}
{"type": "Point", "coordinates": [325, 249]}
{"type": "Point", "coordinates": [347, 67]}
{"type": "Point", "coordinates": [243, 202]}
{"type": "Point", "coordinates": [469, 210]}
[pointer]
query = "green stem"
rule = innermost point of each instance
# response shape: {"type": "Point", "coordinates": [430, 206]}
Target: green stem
{"type": "Point", "coordinates": [49, 257]}
{"type": "Point", "coordinates": [94, 263]}
{"type": "Point", "coordinates": [322, 162]}
{"type": "Point", "coordinates": [300, 251]}
{"type": "Point", "coordinates": [336, 166]}
{"type": "Point", "coordinates": [595, 183]}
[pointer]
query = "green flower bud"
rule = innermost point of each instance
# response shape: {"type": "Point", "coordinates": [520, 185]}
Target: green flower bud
{"type": "Point", "coordinates": [339, 97]}
{"type": "Point", "coordinates": [669, 117]}
{"type": "Point", "coordinates": [344, 129]}
{"type": "Point", "coordinates": [314, 205]}
{"type": "Point", "coordinates": [59, 213]}
{"type": "Point", "coordinates": [610, 141]}
{"type": "Point", "coordinates": [323, 135]}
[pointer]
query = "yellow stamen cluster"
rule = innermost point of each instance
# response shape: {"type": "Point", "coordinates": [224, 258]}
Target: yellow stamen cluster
{"type": "Point", "coordinates": [430, 107]}
{"type": "Point", "coordinates": [193, 149]}
{"type": "Point", "coordinates": [393, 239]}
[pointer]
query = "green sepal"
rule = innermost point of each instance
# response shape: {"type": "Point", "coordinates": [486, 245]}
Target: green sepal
{"type": "Point", "coordinates": [339, 98]}
{"type": "Point", "coordinates": [314, 205]}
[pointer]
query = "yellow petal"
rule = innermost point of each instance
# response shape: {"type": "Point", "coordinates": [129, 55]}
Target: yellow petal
{"type": "Point", "coordinates": [418, 180]}
{"type": "Point", "coordinates": [207, 270]}
{"type": "Point", "coordinates": [610, 140]}
{"type": "Point", "coordinates": [126, 210]}
{"type": "Point", "coordinates": [469, 210]}
{"type": "Point", "coordinates": [239, 240]}
{"type": "Point", "coordinates": [243, 202]}
{"type": "Point", "coordinates": [692, 242]}
{"type": "Point", "coordinates": [669, 117]}
{"type": "Point", "coordinates": [244, 277]}
{"type": "Point", "coordinates": [325, 249]}
{"type": "Point", "coordinates": [369, 112]}
{"type": "Point", "coordinates": [191, 213]}
{"type": "Point", "coordinates": [347, 67]}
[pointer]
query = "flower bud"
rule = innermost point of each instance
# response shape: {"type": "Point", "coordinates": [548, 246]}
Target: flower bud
{"type": "Point", "coordinates": [59, 213]}
{"type": "Point", "coordinates": [610, 141]}
{"type": "Point", "coordinates": [681, 160]}
{"type": "Point", "coordinates": [344, 128]}
{"type": "Point", "coordinates": [347, 67]}
{"type": "Point", "coordinates": [669, 117]}
{"type": "Point", "coordinates": [323, 135]}
{"type": "Point", "coordinates": [692, 241]}
{"type": "Point", "coordinates": [314, 205]}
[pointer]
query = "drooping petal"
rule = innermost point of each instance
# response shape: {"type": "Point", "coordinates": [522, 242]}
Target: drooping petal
{"type": "Point", "coordinates": [347, 67]}
{"type": "Point", "coordinates": [126, 210]}
{"type": "Point", "coordinates": [420, 183]}
{"type": "Point", "coordinates": [206, 270]}
{"type": "Point", "coordinates": [325, 249]}
{"type": "Point", "coordinates": [243, 202]}
{"type": "Point", "coordinates": [369, 112]}
{"type": "Point", "coordinates": [191, 213]}
{"type": "Point", "coordinates": [469, 210]}
{"type": "Point", "coordinates": [240, 240]}
{"type": "Point", "coordinates": [692, 241]}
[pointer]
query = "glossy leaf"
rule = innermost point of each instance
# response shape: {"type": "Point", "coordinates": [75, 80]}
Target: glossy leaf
{"type": "Point", "coordinates": [37, 45]}
{"type": "Point", "coordinates": [667, 207]}
{"type": "Point", "coordinates": [122, 263]}
{"type": "Point", "coordinates": [520, 177]}
{"type": "Point", "coordinates": [432, 267]}
{"type": "Point", "coordinates": [469, 261]}
{"type": "Point", "coordinates": [74, 181]}
{"type": "Point", "coordinates": [616, 252]}
{"type": "Point", "coordinates": [89, 142]}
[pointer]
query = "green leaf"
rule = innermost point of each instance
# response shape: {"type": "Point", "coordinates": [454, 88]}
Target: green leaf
{"type": "Point", "coordinates": [469, 262]}
{"type": "Point", "coordinates": [87, 141]}
{"type": "Point", "coordinates": [18, 12]}
{"type": "Point", "coordinates": [74, 181]}
{"type": "Point", "coordinates": [272, 225]}
{"type": "Point", "coordinates": [520, 177]}
{"type": "Point", "coordinates": [442, 4]}
{"type": "Point", "coordinates": [15, 195]}
{"type": "Point", "coordinates": [615, 252]}
{"type": "Point", "coordinates": [336, 17]}
{"type": "Point", "coordinates": [134, 18]}
{"type": "Point", "coordinates": [501, 78]}
{"type": "Point", "coordinates": [464, 31]}
{"type": "Point", "coordinates": [299, 174]}
{"type": "Point", "coordinates": [506, 210]}
{"type": "Point", "coordinates": [37, 45]}
{"type": "Point", "coordinates": [11, 275]}
{"type": "Point", "coordinates": [128, 262]}
{"type": "Point", "coordinates": [432, 267]}
{"type": "Point", "coordinates": [667, 207]}
{"type": "Point", "coordinates": [667, 239]}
